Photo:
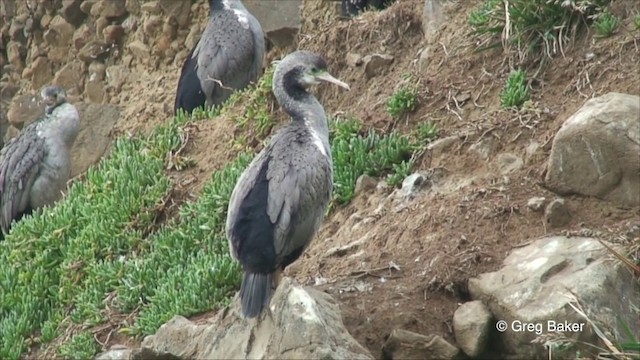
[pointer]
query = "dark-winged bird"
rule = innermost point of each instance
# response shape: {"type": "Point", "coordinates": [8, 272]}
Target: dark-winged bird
{"type": "Point", "coordinates": [35, 166]}
{"type": "Point", "coordinates": [227, 57]}
{"type": "Point", "coordinates": [280, 200]}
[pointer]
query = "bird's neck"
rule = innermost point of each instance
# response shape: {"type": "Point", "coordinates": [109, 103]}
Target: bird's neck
{"type": "Point", "coordinates": [64, 121]}
{"type": "Point", "coordinates": [303, 107]}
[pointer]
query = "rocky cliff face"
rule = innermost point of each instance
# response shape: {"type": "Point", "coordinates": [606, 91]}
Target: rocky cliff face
{"type": "Point", "coordinates": [98, 50]}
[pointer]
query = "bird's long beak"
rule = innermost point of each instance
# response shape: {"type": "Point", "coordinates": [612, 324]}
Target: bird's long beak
{"type": "Point", "coordinates": [327, 77]}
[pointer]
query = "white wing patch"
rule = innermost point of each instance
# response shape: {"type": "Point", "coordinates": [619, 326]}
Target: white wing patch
{"type": "Point", "coordinates": [241, 15]}
{"type": "Point", "coordinates": [317, 142]}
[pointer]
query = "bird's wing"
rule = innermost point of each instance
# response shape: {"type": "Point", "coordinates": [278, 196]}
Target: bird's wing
{"type": "Point", "coordinates": [20, 163]}
{"type": "Point", "coordinates": [300, 182]}
{"type": "Point", "coordinates": [224, 57]}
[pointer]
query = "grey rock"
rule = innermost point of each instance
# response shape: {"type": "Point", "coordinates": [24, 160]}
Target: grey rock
{"type": "Point", "coordinates": [411, 184]}
{"type": "Point", "coordinates": [133, 7]}
{"type": "Point", "coordinates": [433, 17]}
{"type": "Point", "coordinates": [81, 36]}
{"type": "Point", "coordinates": [59, 33]}
{"type": "Point", "coordinates": [94, 90]}
{"type": "Point", "coordinates": [536, 203]}
{"type": "Point", "coordinates": [180, 10]}
{"type": "Point", "coordinates": [117, 75]}
{"type": "Point", "coordinates": [93, 50]}
{"type": "Point", "coordinates": [557, 214]}
{"type": "Point", "coordinates": [97, 70]}
{"type": "Point", "coordinates": [17, 29]}
{"type": "Point", "coordinates": [109, 8]}
{"type": "Point", "coordinates": [472, 324]}
{"type": "Point", "coordinates": [39, 72]}
{"type": "Point", "coordinates": [484, 148]}
{"type": "Point", "coordinates": [86, 6]}
{"type": "Point", "coordinates": [113, 34]}
{"type": "Point", "coordinates": [403, 344]}
{"type": "Point", "coordinates": [139, 49]}
{"type": "Point", "coordinates": [595, 153]}
{"type": "Point", "coordinates": [282, 37]}
{"type": "Point", "coordinates": [508, 163]}
{"type": "Point", "coordinates": [16, 53]}
{"type": "Point", "coordinates": [72, 13]}
{"type": "Point", "coordinates": [375, 62]}
{"type": "Point", "coordinates": [538, 282]}
{"type": "Point", "coordinates": [303, 323]}
{"type": "Point", "coordinates": [24, 109]}
{"type": "Point", "coordinates": [354, 59]}
{"type": "Point", "coordinates": [151, 7]}
{"type": "Point", "coordinates": [117, 352]}
{"type": "Point", "coordinates": [280, 24]}
{"type": "Point", "coordinates": [365, 183]}
{"type": "Point", "coordinates": [71, 77]}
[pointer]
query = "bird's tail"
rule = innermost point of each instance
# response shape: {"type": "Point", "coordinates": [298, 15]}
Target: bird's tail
{"type": "Point", "coordinates": [255, 293]}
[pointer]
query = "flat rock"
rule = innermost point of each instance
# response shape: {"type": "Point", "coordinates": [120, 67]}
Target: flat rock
{"type": "Point", "coordinates": [96, 123]}
{"type": "Point", "coordinates": [279, 23]}
{"type": "Point", "coordinates": [538, 282]}
{"type": "Point", "coordinates": [24, 109]}
{"type": "Point", "coordinates": [472, 324]}
{"type": "Point", "coordinates": [375, 62]}
{"type": "Point", "coordinates": [407, 345]}
{"type": "Point", "coordinates": [595, 152]}
{"type": "Point", "coordinates": [303, 324]}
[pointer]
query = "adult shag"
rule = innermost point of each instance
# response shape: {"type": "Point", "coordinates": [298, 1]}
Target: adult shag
{"type": "Point", "coordinates": [227, 57]}
{"type": "Point", "coordinates": [280, 200]}
{"type": "Point", "coordinates": [35, 166]}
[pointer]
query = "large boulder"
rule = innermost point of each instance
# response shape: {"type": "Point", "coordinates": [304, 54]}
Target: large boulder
{"type": "Point", "coordinates": [96, 123]}
{"type": "Point", "coordinates": [303, 324]}
{"type": "Point", "coordinates": [280, 20]}
{"type": "Point", "coordinates": [534, 295]}
{"type": "Point", "coordinates": [597, 151]}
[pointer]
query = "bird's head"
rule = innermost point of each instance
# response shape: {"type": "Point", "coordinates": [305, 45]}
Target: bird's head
{"type": "Point", "coordinates": [304, 69]}
{"type": "Point", "coordinates": [53, 96]}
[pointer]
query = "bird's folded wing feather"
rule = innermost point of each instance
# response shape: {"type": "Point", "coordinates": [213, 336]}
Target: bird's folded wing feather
{"type": "Point", "coordinates": [19, 164]}
{"type": "Point", "coordinates": [218, 54]}
{"type": "Point", "coordinates": [295, 184]}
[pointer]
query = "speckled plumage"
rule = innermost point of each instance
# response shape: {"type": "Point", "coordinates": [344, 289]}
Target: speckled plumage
{"type": "Point", "coordinates": [228, 57]}
{"type": "Point", "coordinates": [35, 165]}
{"type": "Point", "coordinates": [279, 201]}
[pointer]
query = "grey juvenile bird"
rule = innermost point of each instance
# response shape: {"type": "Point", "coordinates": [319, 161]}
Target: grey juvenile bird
{"type": "Point", "coordinates": [227, 57]}
{"type": "Point", "coordinates": [280, 200]}
{"type": "Point", "coordinates": [35, 165]}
